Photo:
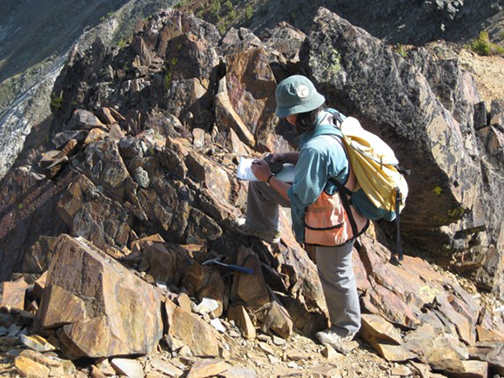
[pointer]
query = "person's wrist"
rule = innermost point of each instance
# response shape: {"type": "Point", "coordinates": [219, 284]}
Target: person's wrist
{"type": "Point", "coordinates": [269, 178]}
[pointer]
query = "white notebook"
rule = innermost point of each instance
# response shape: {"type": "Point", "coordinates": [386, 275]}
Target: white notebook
{"type": "Point", "coordinates": [244, 171]}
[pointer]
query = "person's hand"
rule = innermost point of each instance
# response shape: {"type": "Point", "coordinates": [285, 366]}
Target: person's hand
{"type": "Point", "coordinates": [278, 157]}
{"type": "Point", "coordinates": [261, 170]}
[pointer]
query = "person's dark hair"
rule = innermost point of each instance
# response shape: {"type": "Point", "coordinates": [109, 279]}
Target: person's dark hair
{"type": "Point", "coordinates": [305, 122]}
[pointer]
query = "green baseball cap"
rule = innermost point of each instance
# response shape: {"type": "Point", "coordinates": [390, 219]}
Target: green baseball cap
{"type": "Point", "coordinates": [296, 94]}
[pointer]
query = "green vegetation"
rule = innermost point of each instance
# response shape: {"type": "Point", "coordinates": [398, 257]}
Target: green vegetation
{"type": "Point", "coordinates": [484, 47]}
{"type": "Point", "coordinates": [399, 49]}
{"type": "Point", "coordinates": [228, 5]}
{"type": "Point", "coordinates": [20, 206]}
{"type": "Point", "coordinates": [56, 102]}
{"type": "Point", "coordinates": [180, 4]}
{"type": "Point", "coordinates": [122, 43]}
{"type": "Point", "coordinates": [249, 12]}
{"type": "Point", "coordinates": [222, 28]}
{"type": "Point", "coordinates": [215, 8]}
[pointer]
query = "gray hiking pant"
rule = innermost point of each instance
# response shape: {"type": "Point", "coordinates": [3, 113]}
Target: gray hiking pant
{"type": "Point", "coordinates": [334, 264]}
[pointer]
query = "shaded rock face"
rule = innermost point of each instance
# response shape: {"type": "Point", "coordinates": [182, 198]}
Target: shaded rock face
{"type": "Point", "coordinates": [425, 111]}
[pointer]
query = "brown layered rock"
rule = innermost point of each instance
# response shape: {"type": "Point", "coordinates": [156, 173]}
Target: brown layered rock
{"type": "Point", "coordinates": [60, 307]}
{"type": "Point", "coordinates": [253, 291]}
{"type": "Point", "coordinates": [242, 319]}
{"type": "Point", "coordinates": [12, 294]}
{"type": "Point", "coordinates": [284, 42]}
{"type": "Point", "coordinates": [84, 120]}
{"type": "Point", "coordinates": [27, 198]}
{"type": "Point", "coordinates": [188, 45]}
{"type": "Point", "coordinates": [94, 216]}
{"type": "Point", "coordinates": [122, 312]}
{"type": "Point", "coordinates": [197, 335]}
{"type": "Point", "coordinates": [250, 86]}
{"type": "Point", "coordinates": [167, 263]}
{"type": "Point", "coordinates": [38, 258]}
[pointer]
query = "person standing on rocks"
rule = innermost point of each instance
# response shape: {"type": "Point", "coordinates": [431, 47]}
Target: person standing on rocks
{"type": "Point", "coordinates": [313, 198]}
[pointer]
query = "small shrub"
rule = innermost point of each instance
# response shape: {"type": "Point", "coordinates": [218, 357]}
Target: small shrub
{"type": "Point", "coordinates": [232, 14]}
{"type": "Point", "coordinates": [122, 43]}
{"type": "Point", "coordinates": [180, 4]}
{"type": "Point", "coordinates": [249, 12]}
{"type": "Point", "coordinates": [215, 8]}
{"type": "Point", "coordinates": [229, 5]}
{"type": "Point", "coordinates": [484, 47]}
{"type": "Point", "coordinates": [481, 45]}
{"type": "Point", "coordinates": [399, 49]}
{"type": "Point", "coordinates": [56, 102]}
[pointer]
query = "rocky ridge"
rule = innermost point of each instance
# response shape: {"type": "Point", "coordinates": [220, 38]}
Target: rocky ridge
{"type": "Point", "coordinates": [136, 188]}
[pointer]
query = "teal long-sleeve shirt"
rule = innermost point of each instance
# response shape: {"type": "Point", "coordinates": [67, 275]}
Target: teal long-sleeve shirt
{"type": "Point", "coordinates": [320, 158]}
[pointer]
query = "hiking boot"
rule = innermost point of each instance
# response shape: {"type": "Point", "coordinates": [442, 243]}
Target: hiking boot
{"type": "Point", "coordinates": [342, 344]}
{"type": "Point", "coordinates": [269, 236]}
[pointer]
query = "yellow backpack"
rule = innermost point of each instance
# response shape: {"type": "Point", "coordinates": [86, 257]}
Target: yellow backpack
{"type": "Point", "coordinates": [377, 172]}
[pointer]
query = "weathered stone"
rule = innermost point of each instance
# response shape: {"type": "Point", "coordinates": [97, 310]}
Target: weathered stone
{"type": "Point", "coordinates": [497, 113]}
{"type": "Point", "coordinates": [237, 372]}
{"type": "Point", "coordinates": [184, 302]}
{"type": "Point", "coordinates": [38, 258]}
{"type": "Point", "coordinates": [105, 366]}
{"type": "Point", "coordinates": [127, 367]}
{"type": "Point", "coordinates": [284, 43]}
{"type": "Point", "coordinates": [105, 116]}
{"type": "Point", "coordinates": [166, 367]}
{"type": "Point", "coordinates": [57, 366]}
{"type": "Point", "coordinates": [142, 244]}
{"type": "Point", "coordinates": [384, 338]}
{"type": "Point", "coordinates": [94, 216]}
{"type": "Point", "coordinates": [96, 372]}
{"type": "Point", "coordinates": [26, 367]}
{"type": "Point", "coordinates": [250, 81]}
{"type": "Point", "coordinates": [12, 294]}
{"type": "Point", "coordinates": [329, 352]}
{"type": "Point", "coordinates": [486, 333]}
{"type": "Point", "coordinates": [375, 328]}
{"type": "Point", "coordinates": [194, 332]}
{"type": "Point", "coordinates": [463, 325]}
{"type": "Point", "coordinates": [215, 178]}
{"type": "Point", "coordinates": [440, 351]}
{"type": "Point", "coordinates": [168, 263]}
{"type": "Point", "coordinates": [201, 228]}
{"type": "Point", "coordinates": [27, 197]}
{"type": "Point", "coordinates": [472, 369]}
{"type": "Point", "coordinates": [95, 135]}
{"type": "Point", "coordinates": [62, 138]}
{"type": "Point", "coordinates": [228, 119]}
{"type": "Point", "coordinates": [37, 343]}
{"type": "Point", "coordinates": [84, 120]}
{"type": "Point", "coordinates": [207, 368]}
{"type": "Point", "coordinates": [242, 319]}
{"type": "Point", "coordinates": [60, 307]}
{"type": "Point", "coordinates": [123, 313]}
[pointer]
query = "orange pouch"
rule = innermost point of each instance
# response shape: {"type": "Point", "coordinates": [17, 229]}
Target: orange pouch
{"type": "Point", "coordinates": [326, 221]}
